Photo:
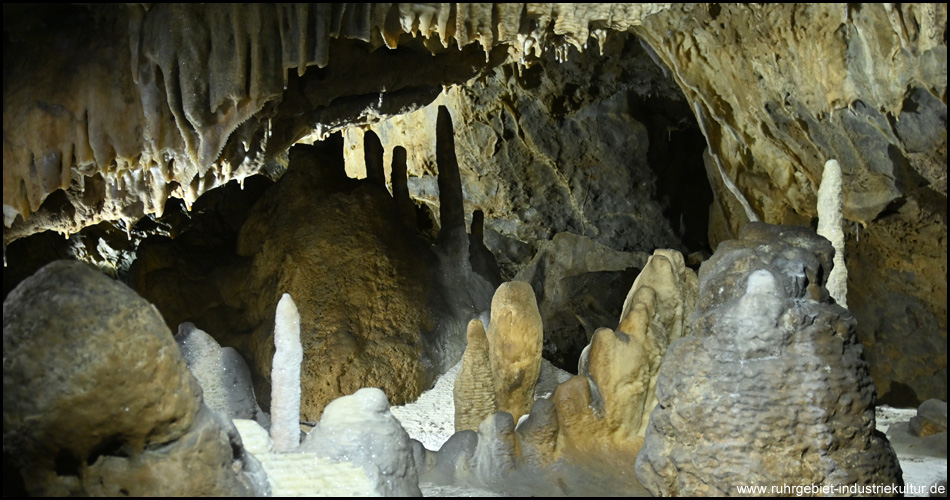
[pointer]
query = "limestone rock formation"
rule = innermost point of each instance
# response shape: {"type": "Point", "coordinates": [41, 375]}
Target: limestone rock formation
{"type": "Point", "coordinates": [500, 368]}
{"type": "Point", "coordinates": [523, 161]}
{"type": "Point", "coordinates": [496, 451]}
{"type": "Point", "coordinates": [676, 288]}
{"type": "Point", "coordinates": [771, 388]}
{"type": "Point", "coordinates": [931, 418]}
{"type": "Point", "coordinates": [580, 285]}
{"type": "Point", "coordinates": [514, 337]}
{"type": "Point", "coordinates": [830, 226]}
{"type": "Point", "coordinates": [358, 276]}
{"type": "Point", "coordinates": [285, 376]}
{"type": "Point", "coordinates": [600, 414]}
{"type": "Point", "coordinates": [529, 458]}
{"type": "Point", "coordinates": [775, 116]}
{"type": "Point", "coordinates": [474, 390]}
{"type": "Point", "coordinates": [360, 429]}
{"type": "Point", "coordinates": [622, 365]}
{"type": "Point", "coordinates": [339, 246]}
{"type": "Point", "coordinates": [111, 110]}
{"type": "Point", "coordinates": [300, 474]}
{"type": "Point", "coordinates": [97, 399]}
{"type": "Point", "coordinates": [222, 373]}
{"type": "Point", "coordinates": [925, 434]}
{"type": "Point", "coordinates": [204, 81]}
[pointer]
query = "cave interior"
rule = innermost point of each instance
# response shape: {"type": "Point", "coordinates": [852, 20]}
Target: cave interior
{"type": "Point", "coordinates": [390, 165]}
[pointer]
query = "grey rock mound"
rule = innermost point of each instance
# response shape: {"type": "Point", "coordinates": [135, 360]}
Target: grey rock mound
{"type": "Point", "coordinates": [772, 389]}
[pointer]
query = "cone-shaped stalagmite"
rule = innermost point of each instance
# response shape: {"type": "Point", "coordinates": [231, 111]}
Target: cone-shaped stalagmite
{"type": "Point", "coordinates": [772, 388]}
{"type": "Point", "coordinates": [474, 391]}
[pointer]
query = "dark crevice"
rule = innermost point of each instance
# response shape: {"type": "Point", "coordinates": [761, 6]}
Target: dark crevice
{"type": "Point", "coordinates": [675, 156]}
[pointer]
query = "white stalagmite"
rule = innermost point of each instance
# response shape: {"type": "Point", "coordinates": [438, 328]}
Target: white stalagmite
{"type": "Point", "coordinates": [285, 377]}
{"type": "Point", "coordinates": [829, 226]}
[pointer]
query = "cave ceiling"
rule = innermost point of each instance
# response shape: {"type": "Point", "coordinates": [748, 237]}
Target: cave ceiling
{"type": "Point", "coordinates": [110, 110]}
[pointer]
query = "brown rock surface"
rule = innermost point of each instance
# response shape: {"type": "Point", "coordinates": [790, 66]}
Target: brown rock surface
{"type": "Point", "coordinates": [358, 276]}
{"type": "Point", "coordinates": [97, 399]}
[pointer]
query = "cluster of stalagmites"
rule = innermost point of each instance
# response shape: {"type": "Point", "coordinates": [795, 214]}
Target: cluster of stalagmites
{"type": "Point", "coordinates": [765, 385]}
{"type": "Point", "coordinates": [605, 407]}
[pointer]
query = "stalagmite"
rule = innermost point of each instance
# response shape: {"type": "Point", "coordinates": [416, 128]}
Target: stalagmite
{"type": "Point", "coordinates": [373, 156]}
{"type": "Point", "coordinates": [514, 336]}
{"type": "Point", "coordinates": [404, 205]}
{"type": "Point", "coordinates": [285, 377]}
{"type": "Point", "coordinates": [772, 386]}
{"type": "Point", "coordinates": [829, 225]}
{"type": "Point", "coordinates": [451, 200]}
{"type": "Point", "coordinates": [474, 392]}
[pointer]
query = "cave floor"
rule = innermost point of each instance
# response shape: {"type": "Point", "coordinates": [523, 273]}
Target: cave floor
{"type": "Point", "coordinates": [430, 420]}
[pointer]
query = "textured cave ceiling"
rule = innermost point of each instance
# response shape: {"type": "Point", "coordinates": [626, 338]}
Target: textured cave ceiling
{"type": "Point", "coordinates": [110, 110]}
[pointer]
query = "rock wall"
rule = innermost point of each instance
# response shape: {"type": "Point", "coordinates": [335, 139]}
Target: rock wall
{"type": "Point", "coordinates": [865, 85]}
{"type": "Point", "coordinates": [548, 149]}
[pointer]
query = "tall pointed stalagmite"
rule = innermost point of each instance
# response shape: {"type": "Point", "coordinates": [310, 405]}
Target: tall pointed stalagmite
{"type": "Point", "coordinates": [285, 377]}
{"type": "Point", "coordinates": [373, 156]}
{"type": "Point", "coordinates": [405, 208]}
{"type": "Point", "coordinates": [479, 256]}
{"type": "Point", "coordinates": [451, 200]}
